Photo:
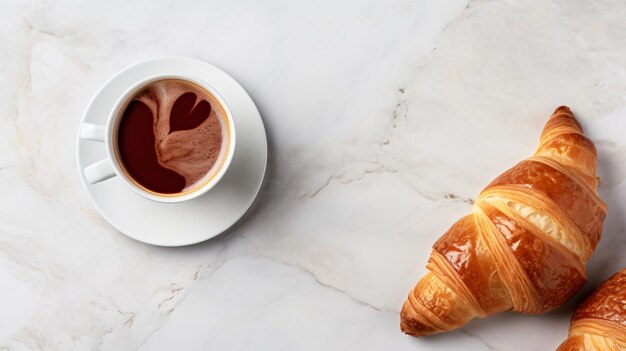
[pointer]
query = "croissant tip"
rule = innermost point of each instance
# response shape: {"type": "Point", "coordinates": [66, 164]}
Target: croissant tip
{"type": "Point", "coordinates": [562, 109]}
{"type": "Point", "coordinates": [413, 323]}
{"type": "Point", "coordinates": [405, 327]}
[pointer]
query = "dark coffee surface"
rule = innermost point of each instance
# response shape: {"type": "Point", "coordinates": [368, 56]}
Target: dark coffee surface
{"type": "Point", "coordinates": [171, 136]}
{"type": "Point", "coordinates": [136, 147]}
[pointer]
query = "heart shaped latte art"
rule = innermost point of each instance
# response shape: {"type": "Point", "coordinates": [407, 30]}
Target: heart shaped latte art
{"type": "Point", "coordinates": [173, 134]}
{"type": "Point", "coordinates": [187, 113]}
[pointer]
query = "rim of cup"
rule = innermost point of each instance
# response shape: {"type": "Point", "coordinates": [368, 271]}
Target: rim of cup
{"type": "Point", "coordinates": [111, 142]}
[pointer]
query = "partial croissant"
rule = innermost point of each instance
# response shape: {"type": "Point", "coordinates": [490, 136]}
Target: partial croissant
{"type": "Point", "coordinates": [599, 324]}
{"type": "Point", "coordinates": [524, 245]}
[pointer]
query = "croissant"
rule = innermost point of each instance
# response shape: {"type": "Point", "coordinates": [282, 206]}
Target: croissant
{"type": "Point", "coordinates": [600, 322]}
{"type": "Point", "coordinates": [525, 243]}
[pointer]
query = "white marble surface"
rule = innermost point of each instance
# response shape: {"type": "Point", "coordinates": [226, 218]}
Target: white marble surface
{"type": "Point", "coordinates": [385, 118]}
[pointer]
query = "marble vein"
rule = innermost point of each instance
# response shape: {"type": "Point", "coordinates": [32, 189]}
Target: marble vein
{"type": "Point", "coordinates": [334, 288]}
{"type": "Point", "coordinates": [479, 339]}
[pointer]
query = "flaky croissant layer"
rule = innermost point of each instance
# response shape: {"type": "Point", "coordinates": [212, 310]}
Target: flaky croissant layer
{"type": "Point", "coordinates": [599, 323]}
{"type": "Point", "coordinates": [524, 245]}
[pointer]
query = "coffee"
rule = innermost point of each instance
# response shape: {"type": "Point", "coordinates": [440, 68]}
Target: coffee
{"type": "Point", "coordinates": [172, 137]}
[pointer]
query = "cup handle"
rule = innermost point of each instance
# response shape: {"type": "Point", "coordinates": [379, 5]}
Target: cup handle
{"type": "Point", "coordinates": [101, 170]}
{"type": "Point", "coordinates": [93, 132]}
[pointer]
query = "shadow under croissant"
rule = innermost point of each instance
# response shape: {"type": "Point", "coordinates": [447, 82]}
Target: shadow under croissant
{"type": "Point", "coordinates": [609, 256]}
{"type": "Point", "coordinates": [456, 337]}
{"type": "Point", "coordinates": [500, 325]}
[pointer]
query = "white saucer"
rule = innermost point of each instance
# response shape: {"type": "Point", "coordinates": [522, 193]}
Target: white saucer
{"type": "Point", "coordinates": [192, 221]}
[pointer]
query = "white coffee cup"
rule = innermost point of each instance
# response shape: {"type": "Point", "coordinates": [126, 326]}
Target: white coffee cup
{"type": "Point", "coordinates": [110, 166]}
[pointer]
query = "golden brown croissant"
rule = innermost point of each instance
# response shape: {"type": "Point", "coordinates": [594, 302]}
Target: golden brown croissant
{"type": "Point", "coordinates": [524, 245]}
{"type": "Point", "coordinates": [599, 324]}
